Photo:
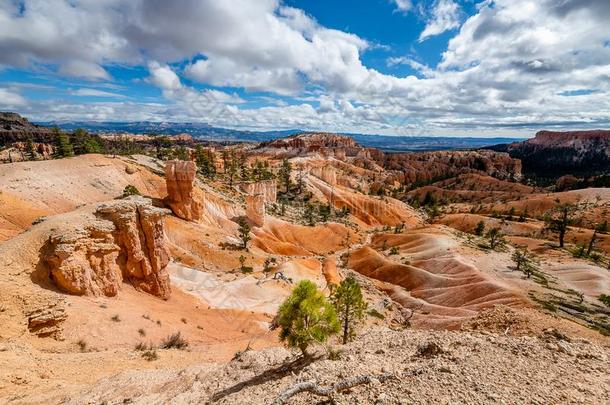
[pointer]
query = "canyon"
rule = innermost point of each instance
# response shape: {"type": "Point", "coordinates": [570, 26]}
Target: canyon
{"type": "Point", "coordinates": [103, 254]}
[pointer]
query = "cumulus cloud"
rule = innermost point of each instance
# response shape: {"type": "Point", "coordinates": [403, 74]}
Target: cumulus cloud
{"type": "Point", "coordinates": [444, 16]}
{"type": "Point", "coordinates": [403, 6]}
{"type": "Point", "coordinates": [505, 68]}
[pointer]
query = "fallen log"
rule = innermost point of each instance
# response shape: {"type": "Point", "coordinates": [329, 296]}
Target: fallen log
{"type": "Point", "coordinates": [314, 388]}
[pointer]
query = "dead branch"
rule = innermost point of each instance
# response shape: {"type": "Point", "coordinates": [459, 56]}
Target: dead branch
{"type": "Point", "coordinates": [311, 386]}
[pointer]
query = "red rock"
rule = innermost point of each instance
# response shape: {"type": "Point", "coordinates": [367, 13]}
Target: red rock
{"type": "Point", "coordinates": [125, 243]}
{"type": "Point", "coordinates": [180, 178]}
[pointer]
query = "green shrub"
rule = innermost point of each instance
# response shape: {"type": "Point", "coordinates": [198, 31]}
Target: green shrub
{"type": "Point", "coordinates": [130, 190]}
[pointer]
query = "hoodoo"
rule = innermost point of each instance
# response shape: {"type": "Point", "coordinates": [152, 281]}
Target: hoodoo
{"type": "Point", "coordinates": [181, 198]}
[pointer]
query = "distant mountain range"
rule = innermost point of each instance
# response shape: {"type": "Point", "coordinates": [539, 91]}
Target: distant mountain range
{"type": "Point", "coordinates": [208, 132]}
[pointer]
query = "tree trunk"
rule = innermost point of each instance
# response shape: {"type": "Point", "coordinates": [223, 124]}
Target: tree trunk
{"type": "Point", "coordinates": [591, 243]}
{"type": "Point", "coordinates": [346, 324]}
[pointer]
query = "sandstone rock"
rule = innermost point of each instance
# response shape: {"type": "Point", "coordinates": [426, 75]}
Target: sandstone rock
{"type": "Point", "coordinates": [329, 269]}
{"type": "Point", "coordinates": [327, 174]}
{"type": "Point", "coordinates": [46, 321]}
{"type": "Point", "coordinates": [255, 209]}
{"type": "Point", "coordinates": [179, 178]}
{"type": "Point", "coordinates": [141, 235]}
{"type": "Point", "coordinates": [130, 169]}
{"type": "Point", "coordinates": [267, 188]}
{"type": "Point", "coordinates": [125, 243]}
{"type": "Point", "coordinates": [83, 261]}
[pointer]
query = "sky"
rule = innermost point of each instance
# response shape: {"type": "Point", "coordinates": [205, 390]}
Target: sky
{"type": "Point", "coordinates": [394, 67]}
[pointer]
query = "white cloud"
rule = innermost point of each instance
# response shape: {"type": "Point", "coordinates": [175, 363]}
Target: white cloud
{"type": "Point", "coordinates": [504, 70]}
{"type": "Point", "coordinates": [444, 16]}
{"type": "Point", "coordinates": [9, 98]}
{"type": "Point", "coordinates": [163, 76]}
{"type": "Point", "coordinates": [403, 6]}
{"type": "Point", "coordinates": [84, 69]}
{"type": "Point", "coordinates": [86, 92]}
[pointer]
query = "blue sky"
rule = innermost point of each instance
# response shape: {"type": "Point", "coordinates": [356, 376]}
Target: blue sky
{"type": "Point", "coordinates": [398, 67]}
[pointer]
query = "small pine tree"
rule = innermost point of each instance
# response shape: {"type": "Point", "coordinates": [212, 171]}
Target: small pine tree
{"type": "Point", "coordinates": [231, 169]}
{"type": "Point", "coordinates": [244, 232]}
{"type": "Point", "coordinates": [30, 149]}
{"type": "Point", "coordinates": [306, 317]}
{"type": "Point", "coordinates": [284, 175]}
{"type": "Point", "coordinates": [480, 229]}
{"type": "Point", "coordinates": [524, 261]}
{"type": "Point", "coordinates": [349, 305]}
{"type": "Point", "coordinates": [244, 170]}
{"type": "Point", "coordinates": [64, 146]}
{"type": "Point", "coordinates": [495, 238]}
{"type": "Point", "coordinates": [324, 212]}
{"type": "Point", "coordinates": [559, 218]}
{"type": "Point", "coordinates": [205, 160]}
{"type": "Point", "coordinates": [309, 214]}
{"type": "Point", "coordinates": [161, 143]}
{"type": "Point", "coordinates": [181, 153]}
{"type": "Point", "coordinates": [85, 143]}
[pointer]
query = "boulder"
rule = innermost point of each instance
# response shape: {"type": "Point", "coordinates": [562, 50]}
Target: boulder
{"type": "Point", "coordinates": [180, 178]}
{"type": "Point", "coordinates": [255, 209]}
{"type": "Point", "coordinates": [125, 242]}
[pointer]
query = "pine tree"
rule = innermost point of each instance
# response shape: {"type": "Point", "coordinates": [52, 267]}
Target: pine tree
{"type": "Point", "coordinates": [85, 143]}
{"type": "Point", "coordinates": [244, 232]}
{"type": "Point", "coordinates": [309, 214]}
{"type": "Point", "coordinates": [495, 237]}
{"type": "Point", "coordinates": [64, 147]}
{"type": "Point", "coordinates": [231, 169]}
{"type": "Point", "coordinates": [306, 317]}
{"type": "Point", "coordinates": [181, 153]}
{"type": "Point", "coordinates": [349, 305]}
{"type": "Point", "coordinates": [284, 174]}
{"type": "Point", "coordinates": [524, 261]}
{"type": "Point", "coordinates": [244, 171]}
{"type": "Point", "coordinates": [30, 148]}
{"type": "Point", "coordinates": [205, 161]}
{"type": "Point", "coordinates": [559, 218]}
{"type": "Point", "coordinates": [480, 229]}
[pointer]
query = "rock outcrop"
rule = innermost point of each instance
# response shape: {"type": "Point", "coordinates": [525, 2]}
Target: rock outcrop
{"type": "Point", "coordinates": [46, 320]}
{"type": "Point", "coordinates": [428, 167]}
{"type": "Point", "coordinates": [329, 269]}
{"type": "Point", "coordinates": [15, 128]}
{"type": "Point", "coordinates": [181, 198]}
{"type": "Point", "coordinates": [255, 209]}
{"type": "Point", "coordinates": [326, 173]}
{"type": "Point", "coordinates": [267, 188]}
{"type": "Point", "coordinates": [554, 154]}
{"type": "Point", "coordinates": [124, 243]}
